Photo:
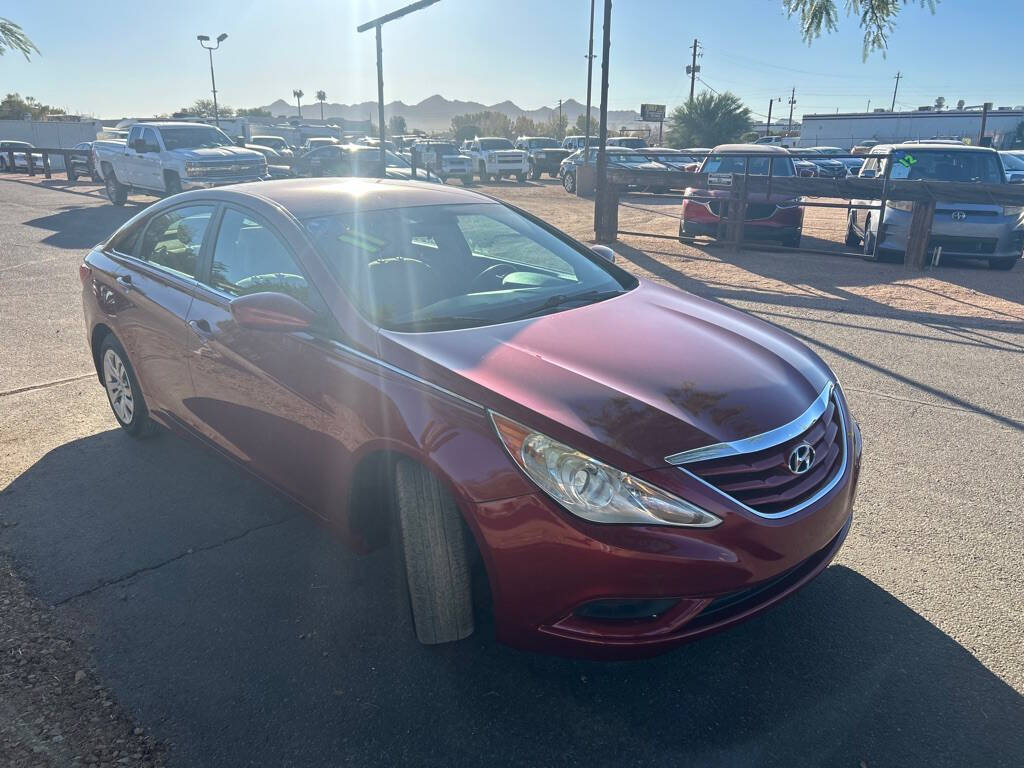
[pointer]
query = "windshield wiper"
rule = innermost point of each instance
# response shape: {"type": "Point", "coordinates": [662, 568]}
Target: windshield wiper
{"type": "Point", "coordinates": [561, 299]}
{"type": "Point", "coordinates": [439, 323]}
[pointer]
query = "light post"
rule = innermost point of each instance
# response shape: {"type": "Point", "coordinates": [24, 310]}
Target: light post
{"type": "Point", "coordinates": [203, 40]}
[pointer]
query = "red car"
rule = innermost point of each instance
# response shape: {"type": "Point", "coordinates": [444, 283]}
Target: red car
{"type": "Point", "coordinates": [768, 217]}
{"type": "Point", "coordinates": [632, 466]}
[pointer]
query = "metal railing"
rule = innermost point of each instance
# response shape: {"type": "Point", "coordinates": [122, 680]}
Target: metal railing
{"type": "Point", "coordinates": [44, 165]}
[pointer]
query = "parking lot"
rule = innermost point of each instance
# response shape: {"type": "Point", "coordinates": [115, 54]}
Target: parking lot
{"type": "Point", "coordinates": [238, 631]}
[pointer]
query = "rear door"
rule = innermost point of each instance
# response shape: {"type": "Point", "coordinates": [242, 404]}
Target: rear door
{"type": "Point", "coordinates": [259, 395]}
{"type": "Point", "coordinates": [155, 283]}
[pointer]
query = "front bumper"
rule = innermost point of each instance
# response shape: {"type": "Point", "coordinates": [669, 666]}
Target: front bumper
{"type": "Point", "coordinates": [545, 565]}
{"type": "Point", "coordinates": [977, 238]}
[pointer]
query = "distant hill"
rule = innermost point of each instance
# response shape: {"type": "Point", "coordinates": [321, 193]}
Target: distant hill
{"type": "Point", "coordinates": [436, 112]}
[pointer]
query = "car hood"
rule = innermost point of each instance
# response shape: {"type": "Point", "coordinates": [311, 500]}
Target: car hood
{"type": "Point", "coordinates": [219, 153]}
{"type": "Point", "coordinates": [630, 380]}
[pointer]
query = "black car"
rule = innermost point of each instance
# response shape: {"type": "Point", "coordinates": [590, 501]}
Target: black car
{"type": "Point", "coordinates": [544, 154]}
{"type": "Point", "coordinates": [80, 163]}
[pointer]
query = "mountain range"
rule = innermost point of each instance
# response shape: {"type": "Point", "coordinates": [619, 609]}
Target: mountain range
{"type": "Point", "coordinates": [436, 112]}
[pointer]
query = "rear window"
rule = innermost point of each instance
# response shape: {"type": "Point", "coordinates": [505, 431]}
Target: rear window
{"type": "Point", "coordinates": [936, 165]}
{"type": "Point", "coordinates": [782, 165]}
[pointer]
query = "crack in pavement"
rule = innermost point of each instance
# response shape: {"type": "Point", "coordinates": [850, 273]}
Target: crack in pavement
{"type": "Point", "coordinates": [186, 553]}
{"type": "Point", "coordinates": [969, 411]}
{"type": "Point", "coordinates": [45, 384]}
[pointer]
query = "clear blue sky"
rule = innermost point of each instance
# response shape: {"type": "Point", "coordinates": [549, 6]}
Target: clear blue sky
{"type": "Point", "coordinates": [137, 59]}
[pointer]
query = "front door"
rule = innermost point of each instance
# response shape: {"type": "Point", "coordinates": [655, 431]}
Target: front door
{"type": "Point", "coordinates": [150, 171]}
{"type": "Point", "coordinates": [155, 279]}
{"type": "Point", "coordinates": [260, 395]}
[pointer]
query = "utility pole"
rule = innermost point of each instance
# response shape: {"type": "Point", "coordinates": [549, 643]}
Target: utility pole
{"type": "Point", "coordinates": [898, 76]}
{"type": "Point", "coordinates": [768, 125]}
{"type": "Point", "coordinates": [792, 101]}
{"type": "Point", "coordinates": [869, 106]}
{"type": "Point", "coordinates": [601, 191]}
{"type": "Point", "coordinates": [203, 40]}
{"type": "Point", "coordinates": [590, 73]}
{"type": "Point", "coordinates": [693, 69]}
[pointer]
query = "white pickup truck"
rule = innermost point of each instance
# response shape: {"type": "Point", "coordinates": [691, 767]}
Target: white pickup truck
{"type": "Point", "coordinates": [164, 158]}
{"type": "Point", "coordinates": [495, 157]}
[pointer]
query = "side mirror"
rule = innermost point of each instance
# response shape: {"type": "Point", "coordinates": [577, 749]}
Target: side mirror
{"type": "Point", "coordinates": [604, 252]}
{"type": "Point", "coordinates": [270, 311]}
{"type": "Point", "coordinates": [139, 145]}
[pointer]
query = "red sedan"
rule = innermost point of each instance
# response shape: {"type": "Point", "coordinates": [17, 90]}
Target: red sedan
{"type": "Point", "coordinates": [631, 465]}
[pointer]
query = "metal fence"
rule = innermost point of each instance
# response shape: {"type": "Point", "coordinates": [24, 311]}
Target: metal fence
{"type": "Point", "coordinates": [43, 164]}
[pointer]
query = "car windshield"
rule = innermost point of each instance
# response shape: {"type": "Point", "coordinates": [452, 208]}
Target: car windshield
{"type": "Point", "coordinates": [829, 151]}
{"type": "Point", "coordinates": [194, 137]}
{"type": "Point", "coordinates": [441, 149]}
{"type": "Point", "coordinates": [938, 165]}
{"type": "Point", "coordinates": [781, 165]}
{"type": "Point", "coordinates": [542, 143]}
{"type": "Point", "coordinates": [457, 266]}
{"type": "Point", "coordinates": [495, 144]}
{"type": "Point", "coordinates": [1012, 162]}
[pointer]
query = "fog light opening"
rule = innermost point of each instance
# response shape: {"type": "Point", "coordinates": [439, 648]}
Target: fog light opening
{"type": "Point", "coordinates": [624, 609]}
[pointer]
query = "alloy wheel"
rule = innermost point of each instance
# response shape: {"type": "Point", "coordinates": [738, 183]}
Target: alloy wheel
{"type": "Point", "coordinates": [118, 386]}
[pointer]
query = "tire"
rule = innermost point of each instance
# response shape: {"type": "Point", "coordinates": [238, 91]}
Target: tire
{"type": "Point", "coordinates": [792, 241]}
{"type": "Point", "coordinates": [123, 391]}
{"type": "Point", "coordinates": [1007, 262]}
{"type": "Point", "coordinates": [520, 177]}
{"type": "Point", "coordinates": [467, 179]}
{"type": "Point", "coordinates": [433, 547]}
{"type": "Point", "coordinates": [535, 172]}
{"type": "Point", "coordinates": [172, 184]}
{"type": "Point", "coordinates": [852, 238]}
{"type": "Point", "coordinates": [869, 241]}
{"type": "Point", "coordinates": [569, 183]}
{"type": "Point", "coordinates": [3, 165]}
{"type": "Point", "coordinates": [116, 191]}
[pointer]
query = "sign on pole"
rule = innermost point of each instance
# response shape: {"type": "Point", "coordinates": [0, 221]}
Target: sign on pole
{"type": "Point", "coordinates": [652, 113]}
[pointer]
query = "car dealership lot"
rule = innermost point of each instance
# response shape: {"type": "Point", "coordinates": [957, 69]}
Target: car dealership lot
{"type": "Point", "coordinates": [237, 630]}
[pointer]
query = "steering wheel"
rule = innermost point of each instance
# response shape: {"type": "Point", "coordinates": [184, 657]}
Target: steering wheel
{"type": "Point", "coordinates": [485, 278]}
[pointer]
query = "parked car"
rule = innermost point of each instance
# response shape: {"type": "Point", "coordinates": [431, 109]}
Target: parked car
{"type": "Point", "coordinates": [356, 160]}
{"type": "Point", "coordinates": [20, 156]}
{"type": "Point", "coordinates": [430, 367]}
{"type": "Point", "coordinates": [81, 164]}
{"type": "Point", "coordinates": [852, 164]}
{"type": "Point", "coordinates": [277, 166]}
{"type": "Point", "coordinates": [495, 158]}
{"type": "Point", "coordinates": [676, 159]}
{"type": "Point", "coordinates": [826, 167]}
{"type": "Point", "coordinates": [992, 233]}
{"type": "Point", "coordinates": [620, 157]}
{"type": "Point", "coordinates": [1013, 166]}
{"type": "Point", "coordinates": [276, 143]}
{"type": "Point", "coordinates": [164, 158]}
{"type": "Point", "coordinates": [543, 155]}
{"type": "Point", "coordinates": [804, 168]}
{"type": "Point", "coordinates": [443, 159]}
{"type": "Point", "coordinates": [318, 141]}
{"type": "Point", "coordinates": [628, 142]}
{"type": "Point", "coordinates": [777, 141]}
{"type": "Point", "coordinates": [863, 147]}
{"type": "Point", "coordinates": [769, 217]}
{"type": "Point", "coordinates": [573, 143]}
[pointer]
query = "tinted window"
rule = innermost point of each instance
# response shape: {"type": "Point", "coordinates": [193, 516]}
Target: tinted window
{"type": "Point", "coordinates": [495, 144]}
{"type": "Point", "coordinates": [194, 137]}
{"type": "Point", "coordinates": [456, 266]}
{"type": "Point", "coordinates": [946, 166]}
{"type": "Point", "coordinates": [173, 239]}
{"type": "Point", "coordinates": [780, 166]}
{"type": "Point", "coordinates": [542, 143]}
{"type": "Point", "coordinates": [1012, 162]}
{"type": "Point", "coordinates": [149, 136]}
{"type": "Point", "coordinates": [249, 258]}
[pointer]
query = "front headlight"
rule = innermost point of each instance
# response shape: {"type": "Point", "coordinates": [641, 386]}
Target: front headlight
{"type": "Point", "coordinates": [591, 489]}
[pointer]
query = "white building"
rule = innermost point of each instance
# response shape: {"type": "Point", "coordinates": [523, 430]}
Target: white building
{"type": "Point", "coordinates": [846, 130]}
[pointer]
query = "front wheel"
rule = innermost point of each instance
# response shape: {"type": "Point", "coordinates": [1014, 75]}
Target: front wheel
{"type": "Point", "coordinates": [569, 182]}
{"type": "Point", "coordinates": [123, 392]}
{"type": "Point", "coordinates": [534, 171]}
{"type": "Point", "coordinates": [432, 546]}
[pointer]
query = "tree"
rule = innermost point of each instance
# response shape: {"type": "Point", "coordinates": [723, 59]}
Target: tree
{"type": "Point", "coordinates": [396, 125]}
{"type": "Point", "coordinates": [253, 112]}
{"type": "Point", "coordinates": [581, 125]}
{"type": "Point", "coordinates": [940, 103]}
{"type": "Point", "coordinates": [14, 107]}
{"type": "Point", "coordinates": [204, 108]}
{"type": "Point", "coordinates": [12, 37]}
{"type": "Point", "coordinates": [877, 18]}
{"type": "Point", "coordinates": [554, 127]}
{"type": "Point", "coordinates": [524, 126]}
{"type": "Point", "coordinates": [960, 103]}
{"type": "Point", "coordinates": [708, 120]}
{"type": "Point", "coordinates": [298, 94]}
{"type": "Point", "coordinates": [488, 124]}
{"type": "Point", "coordinates": [321, 96]}
{"type": "Point", "coordinates": [466, 132]}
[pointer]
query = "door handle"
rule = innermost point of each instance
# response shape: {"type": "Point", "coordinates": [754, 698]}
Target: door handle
{"type": "Point", "coordinates": [201, 328]}
{"type": "Point", "coordinates": [125, 281]}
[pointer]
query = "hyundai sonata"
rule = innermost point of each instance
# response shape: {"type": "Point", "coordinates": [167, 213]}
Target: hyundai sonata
{"type": "Point", "coordinates": [631, 466]}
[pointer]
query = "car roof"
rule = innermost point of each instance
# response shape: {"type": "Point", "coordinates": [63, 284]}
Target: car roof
{"type": "Point", "coordinates": [306, 198]}
{"type": "Point", "coordinates": [882, 149]}
{"type": "Point", "coordinates": [266, 136]}
{"type": "Point", "coordinates": [527, 138]}
{"type": "Point", "coordinates": [727, 149]}
{"type": "Point", "coordinates": [170, 124]}
{"type": "Point", "coordinates": [670, 150]}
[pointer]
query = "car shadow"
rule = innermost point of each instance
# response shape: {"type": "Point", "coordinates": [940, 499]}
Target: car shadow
{"type": "Point", "coordinates": [82, 226]}
{"type": "Point", "coordinates": [240, 631]}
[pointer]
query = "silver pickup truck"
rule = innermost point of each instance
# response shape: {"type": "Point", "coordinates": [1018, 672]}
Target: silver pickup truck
{"type": "Point", "coordinates": [164, 158]}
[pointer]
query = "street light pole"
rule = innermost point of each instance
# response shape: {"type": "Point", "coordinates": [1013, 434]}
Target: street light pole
{"type": "Point", "coordinates": [590, 74]}
{"type": "Point", "coordinates": [203, 40]}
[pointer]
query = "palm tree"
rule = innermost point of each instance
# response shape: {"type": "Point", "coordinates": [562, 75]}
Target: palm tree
{"type": "Point", "coordinates": [877, 18]}
{"type": "Point", "coordinates": [321, 96]}
{"type": "Point", "coordinates": [12, 36]}
{"type": "Point", "coordinates": [710, 119]}
{"type": "Point", "coordinates": [298, 94]}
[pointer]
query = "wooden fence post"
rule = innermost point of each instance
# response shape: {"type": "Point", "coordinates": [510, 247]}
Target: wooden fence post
{"type": "Point", "coordinates": [920, 234]}
{"type": "Point", "coordinates": [31, 163]}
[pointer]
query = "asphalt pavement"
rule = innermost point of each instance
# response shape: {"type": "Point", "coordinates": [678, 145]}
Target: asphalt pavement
{"type": "Point", "coordinates": [241, 632]}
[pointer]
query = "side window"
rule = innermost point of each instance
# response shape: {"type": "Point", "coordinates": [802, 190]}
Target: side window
{"type": "Point", "coordinates": [152, 144]}
{"type": "Point", "coordinates": [127, 240]}
{"type": "Point", "coordinates": [249, 258]}
{"type": "Point", "coordinates": [173, 239]}
{"type": "Point", "coordinates": [135, 133]}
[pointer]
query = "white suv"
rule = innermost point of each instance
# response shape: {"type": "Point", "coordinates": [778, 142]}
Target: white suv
{"type": "Point", "coordinates": [495, 157]}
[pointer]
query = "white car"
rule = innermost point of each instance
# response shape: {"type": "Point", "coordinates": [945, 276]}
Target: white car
{"type": "Point", "coordinates": [495, 157]}
{"type": "Point", "coordinates": [164, 158]}
{"type": "Point", "coordinates": [19, 155]}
